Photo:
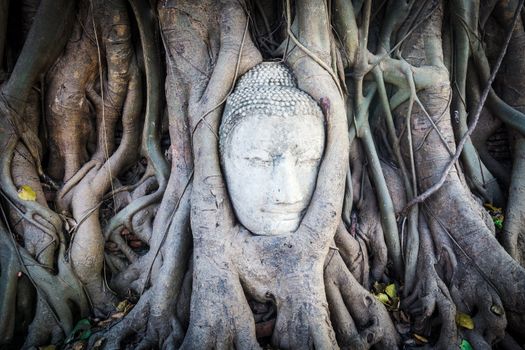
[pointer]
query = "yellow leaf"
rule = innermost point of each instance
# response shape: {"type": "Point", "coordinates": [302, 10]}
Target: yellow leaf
{"type": "Point", "coordinates": [491, 207]}
{"type": "Point", "coordinates": [420, 338]}
{"type": "Point", "coordinates": [464, 321]}
{"type": "Point", "coordinates": [382, 297]}
{"type": "Point", "coordinates": [121, 307]}
{"type": "Point", "coordinates": [47, 347]}
{"type": "Point", "coordinates": [124, 306]}
{"type": "Point", "coordinates": [390, 290]}
{"type": "Point", "coordinates": [26, 193]}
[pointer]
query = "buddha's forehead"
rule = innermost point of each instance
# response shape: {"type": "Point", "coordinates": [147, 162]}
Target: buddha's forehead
{"type": "Point", "coordinates": [277, 134]}
{"type": "Point", "coordinates": [267, 107]}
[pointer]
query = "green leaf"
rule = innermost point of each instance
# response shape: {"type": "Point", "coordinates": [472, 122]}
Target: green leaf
{"type": "Point", "coordinates": [85, 334]}
{"type": "Point", "coordinates": [465, 345]}
{"type": "Point", "coordinates": [82, 324]}
{"type": "Point", "coordinates": [81, 331]}
{"type": "Point", "coordinates": [496, 214]}
{"type": "Point", "coordinates": [382, 297]}
{"type": "Point", "coordinates": [464, 320]}
{"type": "Point", "coordinates": [26, 193]}
{"type": "Point", "coordinates": [390, 290]}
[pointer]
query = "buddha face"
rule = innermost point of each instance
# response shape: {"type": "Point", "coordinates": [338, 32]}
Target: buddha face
{"type": "Point", "coordinates": [271, 165]}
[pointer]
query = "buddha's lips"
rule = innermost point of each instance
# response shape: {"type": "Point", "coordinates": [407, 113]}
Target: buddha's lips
{"type": "Point", "coordinates": [284, 209]}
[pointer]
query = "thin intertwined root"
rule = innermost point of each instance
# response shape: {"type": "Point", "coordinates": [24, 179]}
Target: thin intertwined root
{"type": "Point", "coordinates": [359, 319]}
{"type": "Point", "coordinates": [119, 98]}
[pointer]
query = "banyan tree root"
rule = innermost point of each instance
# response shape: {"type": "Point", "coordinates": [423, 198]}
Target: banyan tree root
{"type": "Point", "coordinates": [228, 260]}
{"type": "Point", "coordinates": [358, 325]}
{"type": "Point", "coordinates": [68, 119]}
{"type": "Point", "coordinates": [42, 244]}
{"type": "Point", "coordinates": [316, 279]}
{"type": "Point", "coordinates": [36, 274]}
{"type": "Point", "coordinates": [510, 86]}
{"type": "Point", "coordinates": [478, 275]}
{"type": "Point", "coordinates": [119, 98]}
{"type": "Point", "coordinates": [154, 315]}
{"type": "Point", "coordinates": [365, 226]}
{"type": "Point", "coordinates": [430, 293]}
{"type": "Point", "coordinates": [157, 276]}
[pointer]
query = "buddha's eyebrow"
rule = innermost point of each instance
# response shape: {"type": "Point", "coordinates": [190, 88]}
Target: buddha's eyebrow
{"type": "Point", "coordinates": [301, 151]}
{"type": "Point", "coordinates": [251, 152]}
{"type": "Point", "coordinates": [268, 146]}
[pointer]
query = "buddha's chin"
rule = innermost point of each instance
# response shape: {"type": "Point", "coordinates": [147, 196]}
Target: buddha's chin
{"type": "Point", "coordinates": [276, 225]}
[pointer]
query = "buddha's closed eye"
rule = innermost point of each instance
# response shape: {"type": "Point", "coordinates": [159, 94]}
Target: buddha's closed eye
{"type": "Point", "coordinates": [259, 161]}
{"type": "Point", "coordinates": [308, 161]}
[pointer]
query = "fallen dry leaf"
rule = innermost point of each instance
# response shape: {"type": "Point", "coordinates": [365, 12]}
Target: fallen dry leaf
{"type": "Point", "coordinates": [26, 193]}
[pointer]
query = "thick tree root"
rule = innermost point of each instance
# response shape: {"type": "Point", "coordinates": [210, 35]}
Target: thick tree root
{"type": "Point", "coordinates": [154, 316]}
{"type": "Point", "coordinates": [430, 295]}
{"type": "Point", "coordinates": [67, 114]}
{"type": "Point", "coordinates": [359, 319]}
{"type": "Point", "coordinates": [142, 328]}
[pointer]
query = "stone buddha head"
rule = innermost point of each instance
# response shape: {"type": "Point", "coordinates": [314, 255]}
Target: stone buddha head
{"type": "Point", "coordinates": [272, 138]}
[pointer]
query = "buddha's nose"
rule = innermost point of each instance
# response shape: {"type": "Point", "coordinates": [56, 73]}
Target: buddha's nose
{"type": "Point", "coordinates": [287, 188]}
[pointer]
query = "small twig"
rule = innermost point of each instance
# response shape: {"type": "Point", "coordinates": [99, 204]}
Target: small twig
{"type": "Point", "coordinates": [475, 120]}
{"type": "Point", "coordinates": [434, 126]}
